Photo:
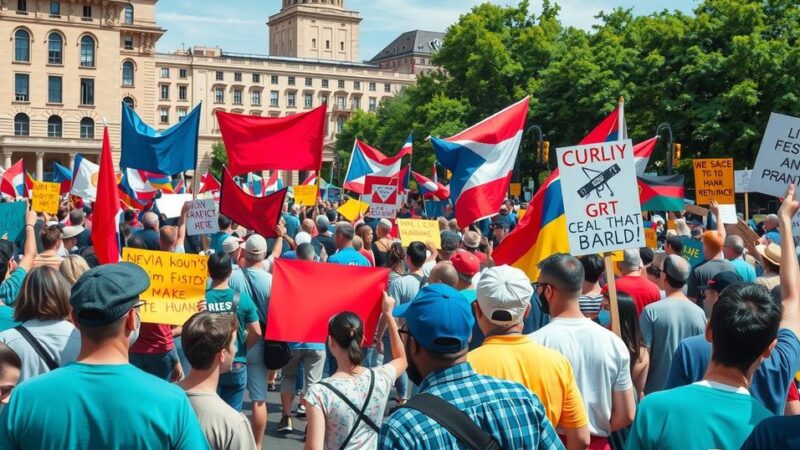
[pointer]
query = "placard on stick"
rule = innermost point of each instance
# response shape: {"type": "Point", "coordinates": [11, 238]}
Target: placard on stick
{"type": "Point", "coordinates": [202, 217]}
{"type": "Point", "coordinates": [353, 208]}
{"type": "Point", "coordinates": [601, 202]}
{"type": "Point", "coordinates": [305, 194]}
{"type": "Point", "coordinates": [177, 283]}
{"type": "Point", "coordinates": [419, 230]}
{"type": "Point", "coordinates": [778, 161]}
{"type": "Point", "coordinates": [382, 193]}
{"type": "Point", "coordinates": [45, 197]}
{"type": "Point", "coordinates": [713, 179]}
{"type": "Point", "coordinates": [741, 181]}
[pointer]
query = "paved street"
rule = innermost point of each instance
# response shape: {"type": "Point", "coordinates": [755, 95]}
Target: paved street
{"type": "Point", "coordinates": [275, 440]}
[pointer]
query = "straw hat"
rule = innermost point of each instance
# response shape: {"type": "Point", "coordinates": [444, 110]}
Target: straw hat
{"type": "Point", "coordinates": [771, 253]}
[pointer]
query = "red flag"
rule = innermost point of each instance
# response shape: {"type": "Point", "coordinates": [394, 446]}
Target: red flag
{"type": "Point", "coordinates": [283, 143]}
{"type": "Point", "coordinates": [208, 183]}
{"type": "Point", "coordinates": [296, 313]}
{"type": "Point", "coordinates": [256, 213]}
{"type": "Point", "coordinates": [105, 218]}
{"type": "Point", "coordinates": [13, 181]}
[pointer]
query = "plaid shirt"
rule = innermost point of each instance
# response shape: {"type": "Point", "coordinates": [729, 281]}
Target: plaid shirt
{"type": "Point", "coordinates": [508, 411]}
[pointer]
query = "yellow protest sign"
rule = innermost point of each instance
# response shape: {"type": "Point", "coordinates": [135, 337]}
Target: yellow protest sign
{"type": "Point", "coordinates": [305, 195]}
{"type": "Point", "coordinates": [419, 230]}
{"type": "Point", "coordinates": [352, 209]}
{"type": "Point", "coordinates": [45, 197]}
{"type": "Point", "coordinates": [650, 238]}
{"type": "Point", "coordinates": [177, 283]}
{"type": "Point", "coordinates": [714, 180]}
{"type": "Point", "coordinates": [516, 189]}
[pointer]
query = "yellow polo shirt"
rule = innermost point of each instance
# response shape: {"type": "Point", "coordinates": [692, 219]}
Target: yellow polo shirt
{"type": "Point", "coordinates": [546, 372]}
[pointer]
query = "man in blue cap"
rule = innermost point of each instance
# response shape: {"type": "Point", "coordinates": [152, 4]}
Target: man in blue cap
{"type": "Point", "coordinates": [438, 328]}
{"type": "Point", "coordinates": [102, 401]}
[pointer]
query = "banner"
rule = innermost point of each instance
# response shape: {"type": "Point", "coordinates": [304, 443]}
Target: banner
{"type": "Point", "coordinates": [12, 221]}
{"type": "Point", "coordinates": [202, 217]}
{"type": "Point", "coordinates": [305, 195]}
{"type": "Point", "coordinates": [171, 204]}
{"type": "Point", "coordinates": [600, 201]}
{"type": "Point", "coordinates": [255, 213]}
{"type": "Point", "coordinates": [419, 230]}
{"type": "Point", "coordinates": [778, 161]}
{"type": "Point", "coordinates": [692, 250]}
{"type": "Point", "coordinates": [45, 197]}
{"type": "Point", "coordinates": [382, 193]}
{"type": "Point", "coordinates": [353, 208]}
{"type": "Point", "coordinates": [177, 283]}
{"type": "Point", "coordinates": [713, 180]}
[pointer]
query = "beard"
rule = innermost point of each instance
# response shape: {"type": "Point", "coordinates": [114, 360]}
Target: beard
{"type": "Point", "coordinates": [412, 371]}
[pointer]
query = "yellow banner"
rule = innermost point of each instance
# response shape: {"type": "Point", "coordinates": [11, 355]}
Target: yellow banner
{"type": "Point", "coordinates": [45, 197]}
{"type": "Point", "coordinates": [177, 283]}
{"type": "Point", "coordinates": [353, 208]}
{"type": "Point", "coordinates": [419, 230]}
{"type": "Point", "coordinates": [650, 238]}
{"type": "Point", "coordinates": [305, 195]}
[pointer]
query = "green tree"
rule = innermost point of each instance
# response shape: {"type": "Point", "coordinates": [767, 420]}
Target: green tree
{"type": "Point", "coordinates": [219, 158]}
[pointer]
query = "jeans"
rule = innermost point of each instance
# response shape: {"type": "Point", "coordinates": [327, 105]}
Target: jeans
{"type": "Point", "coordinates": [158, 364]}
{"type": "Point", "coordinates": [231, 385]}
{"type": "Point", "coordinates": [401, 384]}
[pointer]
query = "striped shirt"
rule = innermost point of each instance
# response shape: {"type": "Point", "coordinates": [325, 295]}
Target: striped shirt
{"type": "Point", "coordinates": [508, 411]}
{"type": "Point", "coordinates": [590, 304]}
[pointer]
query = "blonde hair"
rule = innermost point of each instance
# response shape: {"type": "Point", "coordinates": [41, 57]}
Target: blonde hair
{"type": "Point", "coordinates": [72, 267]}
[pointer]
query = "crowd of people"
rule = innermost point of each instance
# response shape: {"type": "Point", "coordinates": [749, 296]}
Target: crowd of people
{"type": "Point", "coordinates": [466, 354]}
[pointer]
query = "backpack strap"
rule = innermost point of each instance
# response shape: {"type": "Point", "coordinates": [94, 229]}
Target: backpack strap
{"type": "Point", "coordinates": [454, 420]}
{"type": "Point", "coordinates": [360, 412]}
{"type": "Point", "coordinates": [37, 347]}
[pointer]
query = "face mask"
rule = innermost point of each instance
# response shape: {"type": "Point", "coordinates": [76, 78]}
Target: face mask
{"type": "Point", "coordinates": [604, 317]}
{"type": "Point", "coordinates": [413, 371]}
{"type": "Point", "coordinates": [135, 335]}
{"type": "Point", "coordinates": [544, 303]}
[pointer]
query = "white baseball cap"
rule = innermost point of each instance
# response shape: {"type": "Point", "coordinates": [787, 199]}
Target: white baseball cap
{"type": "Point", "coordinates": [302, 238]}
{"type": "Point", "coordinates": [255, 244]}
{"type": "Point", "coordinates": [505, 290]}
{"type": "Point", "coordinates": [231, 244]}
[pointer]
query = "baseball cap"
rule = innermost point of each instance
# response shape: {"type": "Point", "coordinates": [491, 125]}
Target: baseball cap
{"type": "Point", "coordinates": [302, 238]}
{"type": "Point", "coordinates": [504, 294]}
{"type": "Point", "coordinates": [439, 318]}
{"type": "Point", "coordinates": [466, 264]}
{"type": "Point", "coordinates": [722, 280]}
{"type": "Point", "coordinates": [105, 293]}
{"type": "Point", "coordinates": [71, 232]}
{"type": "Point", "coordinates": [230, 244]}
{"type": "Point", "coordinates": [255, 244]}
{"type": "Point", "coordinates": [471, 239]}
{"type": "Point", "coordinates": [449, 240]}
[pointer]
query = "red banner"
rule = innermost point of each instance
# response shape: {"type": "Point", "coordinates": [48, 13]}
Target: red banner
{"type": "Point", "coordinates": [256, 213]}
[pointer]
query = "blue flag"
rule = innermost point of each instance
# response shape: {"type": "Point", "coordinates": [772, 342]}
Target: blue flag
{"type": "Point", "coordinates": [167, 152]}
{"type": "Point", "coordinates": [61, 173]}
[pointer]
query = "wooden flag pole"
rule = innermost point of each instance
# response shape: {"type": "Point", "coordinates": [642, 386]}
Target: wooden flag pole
{"type": "Point", "coordinates": [612, 294]}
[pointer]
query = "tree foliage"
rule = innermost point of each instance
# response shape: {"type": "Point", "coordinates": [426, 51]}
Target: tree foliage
{"type": "Point", "coordinates": [219, 158]}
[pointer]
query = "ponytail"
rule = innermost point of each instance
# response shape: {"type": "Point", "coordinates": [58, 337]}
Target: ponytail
{"type": "Point", "coordinates": [347, 330]}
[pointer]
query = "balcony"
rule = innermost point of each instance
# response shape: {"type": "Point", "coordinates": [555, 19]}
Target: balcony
{"type": "Point", "coordinates": [342, 109]}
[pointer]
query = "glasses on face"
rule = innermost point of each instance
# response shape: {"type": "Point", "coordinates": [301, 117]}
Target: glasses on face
{"type": "Point", "coordinates": [539, 287]}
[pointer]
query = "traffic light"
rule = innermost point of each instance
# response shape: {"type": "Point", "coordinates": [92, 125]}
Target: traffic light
{"type": "Point", "coordinates": [546, 153]}
{"type": "Point", "coordinates": [676, 154]}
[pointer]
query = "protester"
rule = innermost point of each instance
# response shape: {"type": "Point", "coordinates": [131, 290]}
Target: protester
{"type": "Point", "coordinates": [734, 251]}
{"type": "Point", "coordinates": [471, 242]}
{"type": "Point", "coordinates": [323, 239]}
{"type": "Point", "coordinates": [591, 298]}
{"type": "Point", "coordinates": [631, 334]}
{"type": "Point", "coordinates": [633, 283]}
{"type": "Point", "coordinates": [69, 240]}
{"type": "Point", "coordinates": [503, 302]}
{"type": "Point", "coordinates": [439, 322]}
{"type": "Point", "coordinates": [51, 241]}
{"type": "Point", "coordinates": [499, 232]}
{"type": "Point", "coordinates": [448, 247]}
{"type": "Point", "coordinates": [365, 233]}
{"type": "Point", "coordinates": [345, 253]}
{"type": "Point", "coordinates": [83, 403]}
{"type": "Point", "coordinates": [77, 218]}
{"type": "Point", "coordinates": [382, 243]}
{"type": "Point", "coordinates": [210, 341]}
{"type": "Point", "coordinates": [345, 410]}
{"type": "Point", "coordinates": [444, 272]}
{"type": "Point", "coordinates": [713, 264]}
{"type": "Point", "coordinates": [600, 359]}
{"type": "Point", "coordinates": [10, 367]}
{"type": "Point", "coordinates": [771, 260]}
{"type": "Point", "coordinates": [225, 226]}
{"type": "Point", "coordinates": [72, 267]}
{"type": "Point", "coordinates": [14, 273]}
{"type": "Point", "coordinates": [673, 245]}
{"type": "Point", "coordinates": [771, 233]}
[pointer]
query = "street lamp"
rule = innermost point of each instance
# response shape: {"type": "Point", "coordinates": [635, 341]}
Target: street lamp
{"type": "Point", "coordinates": [664, 126]}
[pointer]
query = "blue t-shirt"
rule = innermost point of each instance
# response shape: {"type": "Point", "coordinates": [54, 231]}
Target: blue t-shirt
{"type": "Point", "coordinates": [99, 406]}
{"type": "Point", "coordinates": [774, 433]}
{"type": "Point", "coordinates": [216, 241]}
{"type": "Point", "coordinates": [348, 256]}
{"type": "Point", "coordinates": [746, 271]}
{"type": "Point", "coordinates": [221, 301]}
{"type": "Point", "coordinates": [7, 321]}
{"type": "Point", "coordinates": [292, 224]}
{"type": "Point", "coordinates": [771, 380]}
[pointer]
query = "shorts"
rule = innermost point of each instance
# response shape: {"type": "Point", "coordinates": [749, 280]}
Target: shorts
{"type": "Point", "coordinates": [313, 362]}
{"type": "Point", "coordinates": [256, 373]}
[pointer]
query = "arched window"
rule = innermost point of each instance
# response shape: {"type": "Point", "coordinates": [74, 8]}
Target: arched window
{"type": "Point", "coordinates": [87, 128]}
{"type": "Point", "coordinates": [128, 14]}
{"type": "Point", "coordinates": [22, 46]}
{"type": "Point", "coordinates": [22, 125]}
{"type": "Point", "coordinates": [129, 101]}
{"type": "Point", "coordinates": [127, 73]}
{"type": "Point", "coordinates": [55, 47]}
{"type": "Point", "coordinates": [87, 51]}
{"type": "Point", "coordinates": [54, 127]}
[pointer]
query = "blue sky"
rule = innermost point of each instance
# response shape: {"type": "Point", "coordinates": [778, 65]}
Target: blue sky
{"type": "Point", "coordinates": [240, 25]}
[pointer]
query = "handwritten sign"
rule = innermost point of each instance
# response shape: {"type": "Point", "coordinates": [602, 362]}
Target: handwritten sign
{"type": "Point", "coordinates": [382, 193]}
{"type": "Point", "coordinates": [651, 238]}
{"type": "Point", "coordinates": [202, 217]}
{"type": "Point", "coordinates": [741, 181]}
{"type": "Point", "coordinates": [778, 161]}
{"type": "Point", "coordinates": [305, 195]}
{"type": "Point", "coordinates": [692, 250]}
{"type": "Point", "coordinates": [12, 221]}
{"type": "Point", "coordinates": [177, 283]}
{"type": "Point", "coordinates": [713, 179]}
{"type": "Point", "coordinates": [419, 230]}
{"type": "Point", "coordinates": [353, 208]}
{"type": "Point", "coordinates": [45, 197]}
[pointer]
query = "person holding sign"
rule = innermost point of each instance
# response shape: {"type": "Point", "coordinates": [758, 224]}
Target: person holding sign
{"type": "Point", "coordinates": [14, 273]}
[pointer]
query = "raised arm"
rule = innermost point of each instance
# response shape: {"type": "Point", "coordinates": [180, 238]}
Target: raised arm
{"type": "Point", "coordinates": [182, 225]}
{"type": "Point", "coordinates": [714, 206]}
{"type": "Point", "coordinates": [790, 274]}
{"type": "Point", "coordinates": [398, 350]}
{"type": "Point", "coordinates": [29, 249]}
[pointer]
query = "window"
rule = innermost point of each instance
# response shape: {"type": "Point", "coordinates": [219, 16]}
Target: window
{"type": "Point", "coordinates": [308, 100]}
{"type": "Point", "coordinates": [274, 79]}
{"type": "Point", "coordinates": [341, 46]}
{"type": "Point", "coordinates": [55, 46]}
{"type": "Point", "coordinates": [340, 84]}
{"type": "Point", "coordinates": [182, 113]}
{"type": "Point", "coordinates": [163, 114]}
{"type": "Point", "coordinates": [237, 96]}
{"type": "Point", "coordinates": [164, 92]}
{"type": "Point", "coordinates": [220, 76]}
{"type": "Point", "coordinates": [55, 8]}
{"type": "Point", "coordinates": [127, 73]}
{"type": "Point", "coordinates": [54, 89]}
{"type": "Point", "coordinates": [129, 101]}
{"type": "Point", "coordinates": [256, 78]}
{"type": "Point", "coordinates": [373, 104]}
{"type": "Point", "coordinates": [273, 98]}
{"type": "Point", "coordinates": [22, 125]}
{"type": "Point", "coordinates": [165, 72]}
{"type": "Point", "coordinates": [87, 11]}
{"type": "Point", "coordinates": [87, 127]}
{"type": "Point", "coordinates": [22, 83]}
{"type": "Point", "coordinates": [87, 91]}
{"type": "Point", "coordinates": [357, 85]}
{"type": "Point", "coordinates": [339, 124]}
{"type": "Point", "coordinates": [372, 87]}
{"type": "Point", "coordinates": [323, 99]}
{"type": "Point", "coordinates": [219, 95]}
{"type": "Point", "coordinates": [182, 74]}
{"type": "Point", "coordinates": [255, 98]}
{"type": "Point", "coordinates": [340, 101]}
{"type": "Point", "coordinates": [128, 14]}
{"type": "Point", "coordinates": [291, 81]}
{"type": "Point", "coordinates": [325, 83]}
{"type": "Point", "coordinates": [291, 98]}
{"type": "Point", "coordinates": [327, 45]}
{"type": "Point", "coordinates": [128, 42]}
{"type": "Point", "coordinates": [313, 43]}
{"type": "Point", "coordinates": [356, 102]}
{"type": "Point", "coordinates": [22, 5]}
{"type": "Point", "coordinates": [387, 87]}
{"type": "Point", "coordinates": [22, 46]}
{"type": "Point", "coordinates": [237, 76]}
{"type": "Point", "coordinates": [182, 93]}
{"type": "Point", "coordinates": [54, 127]}
{"type": "Point", "coordinates": [309, 81]}
{"type": "Point", "coordinates": [87, 51]}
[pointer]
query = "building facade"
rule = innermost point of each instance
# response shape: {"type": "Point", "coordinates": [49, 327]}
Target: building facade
{"type": "Point", "coordinates": [410, 53]}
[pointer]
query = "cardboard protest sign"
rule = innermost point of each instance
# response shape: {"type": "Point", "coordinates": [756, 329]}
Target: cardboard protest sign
{"type": "Point", "coordinates": [727, 214]}
{"type": "Point", "coordinates": [741, 181]}
{"type": "Point", "coordinates": [171, 204]}
{"type": "Point", "coordinates": [778, 161]}
{"type": "Point", "coordinates": [749, 236]}
{"type": "Point", "coordinates": [713, 179]}
{"type": "Point", "coordinates": [419, 230]}
{"type": "Point", "coordinates": [12, 221]}
{"type": "Point", "coordinates": [202, 217]}
{"type": "Point", "coordinates": [177, 283]}
{"type": "Point", "coordinates": [353, 208]}
{"type": "Point", "coordinates": [692, 250]}
{"type": "Point", "coordinates": [651, 238]}
{"type": "Point", "coordinates": [305, 195]}
{"type": "Point", "coordinates": [382, 192]}
{"type": "Point", "coordinates": [601, 202]}
{"type": "Point", "coordinates": [334, 194]}
{"type": "Point", "coordinates": [45, 197]}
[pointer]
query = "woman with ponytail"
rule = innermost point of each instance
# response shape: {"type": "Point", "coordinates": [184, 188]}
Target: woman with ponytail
{"type": "Point", "coordinates": [345, 411]}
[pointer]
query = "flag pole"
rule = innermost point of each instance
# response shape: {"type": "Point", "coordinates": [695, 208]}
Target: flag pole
{"type": "Point", "coordinates": [410, 173]}
{"type": "Point", "coordinates": [621, 119]}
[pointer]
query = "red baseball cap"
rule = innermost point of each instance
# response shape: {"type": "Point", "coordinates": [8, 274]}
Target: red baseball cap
{"type": "Point", "coordinates": [466, 263]}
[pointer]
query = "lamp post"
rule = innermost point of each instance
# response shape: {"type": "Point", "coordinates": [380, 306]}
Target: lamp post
{"type": "Point", "coordinates": [664, 126]}
{"type": "Point", "coordinates": [537, 161]}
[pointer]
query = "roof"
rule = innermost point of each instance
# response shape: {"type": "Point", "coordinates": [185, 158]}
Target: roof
{"type": "Point", "coordinates": [417, 42]}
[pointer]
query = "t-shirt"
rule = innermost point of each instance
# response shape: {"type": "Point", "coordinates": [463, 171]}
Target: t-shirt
{"type": "Point", "coordinates": [703, 416]}
{"type": "Point", "coordinates": [770, 381]}
{"type": "Point", "coordinates": [664, 324]}
{"type": "Point", "coordinates": [10, 287]}
{"type": "Point", "coordinates": [323, 240]}
{"type": "Point", "coordinates": [745, 270]}
{"type": "Point", "coordinates": [150, 238]}
{"type": "Point", "coordinates": [640, 288]}
{"type": "Point", "coordinates": [261, 282]}
{"type": "Point", "coordinates": [52, 261]}
{"type": "Point", "coordinates": [340, 418]}
{"type": "Point", "coordinates": [544, 371]}
{"type": "Point", "coordinates": [59, 338]}
{"type": "Point", "coordinates": [153, 339]}
{"type": "Point", "coordinates": [224, 427]}
{"type": "Point", "coordinates": [774, 433]}
{"type": "Point", "coordinates": [292, 224]}
{"type": "Point", "coordinates": [215, 243]}
{"type": "Point", "coordinates": [403, 289]}
{"type": "Point", "coordinates": [590, 304]}
{"type": "Point", "coordinates": [92, 406]}
{"type": "Point", "coordinates": [599, 359]}
{"type": "Point", "coordinates": [221, 301]}
{"type": "Point", "coordinates": [769, 281]}
{"type": "Point", "coordinates": [348, 256]}
{"type": "Point", "coordinates": [7, 318]}
{"type": "Point", "coordinates": [704, 272]}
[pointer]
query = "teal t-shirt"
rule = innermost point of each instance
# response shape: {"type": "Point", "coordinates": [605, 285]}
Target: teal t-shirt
{"type": "Point", "coordinates": [7, 321]}
{"type": "Point", "coordinates": [221, 301]}
{"type": "Point", "coordinates": [99, 406]}
{"type": "Point", "coordinates": [11, 286]}
{"type": "Point", "coordinates": [216, 241]}
{"type": "Point", "coordinates": [695, 416]}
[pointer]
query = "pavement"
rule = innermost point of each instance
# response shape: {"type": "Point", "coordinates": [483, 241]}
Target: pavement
{"type": "Point", "coordinates": [273, 439]}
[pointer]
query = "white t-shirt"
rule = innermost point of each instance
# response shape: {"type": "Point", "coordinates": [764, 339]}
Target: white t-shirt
{"type": "Point", "coordinates": [600, 360]}
{"type": "Point", "coordinates": [59, 338]}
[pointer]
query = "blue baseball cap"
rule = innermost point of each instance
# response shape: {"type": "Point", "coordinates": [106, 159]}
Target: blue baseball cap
{"type": "Point", "coordinates": [439, 318]}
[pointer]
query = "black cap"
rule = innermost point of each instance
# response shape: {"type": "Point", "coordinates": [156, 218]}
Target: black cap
{"type": "Point", "coordinates": [723, 280]}
{"type": "Point", "coordinates": [105, 293]}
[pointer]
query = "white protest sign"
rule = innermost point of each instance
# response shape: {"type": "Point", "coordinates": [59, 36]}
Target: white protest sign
{"type": "Point", "coordinates": [741, 181]}
{"type": "Point", "coordinates": [202, 217]}
{"type": "Point", "coordinates": [778, 162]}
{"type": "Point", "coordinates": [171, 204]}
{"type": "Point", "coordinates": [601, 201]}
{"type": "Point", "coordinates": [383, 197]}
{"type": "Point", "coordinates": [727, 214]}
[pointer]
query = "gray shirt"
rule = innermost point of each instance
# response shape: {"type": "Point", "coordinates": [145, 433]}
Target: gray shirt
{"type": "Point", "coordinates": [664, 323]}
{"type": "Point", "coordinates": [704, 272]}
{"type": "Point", "coordinates": [224, 428]}
{"type": "Point", "coordinates": [404, 288]}
{"type": "Point", "coordinates": [261, 282]}
{"type": "Point", "coordinates": [59, 338]}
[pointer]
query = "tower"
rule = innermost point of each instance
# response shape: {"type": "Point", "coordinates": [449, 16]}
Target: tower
{"type": "Point", "coordinates": [315, 29]}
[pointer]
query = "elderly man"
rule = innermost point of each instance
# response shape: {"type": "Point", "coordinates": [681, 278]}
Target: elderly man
{"type": "Point", "coordinates": [149, 234]}
{"type": "Point", "coordinates": [733, 250]}
{"type": "Point", "coordinates": [345, 253]}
